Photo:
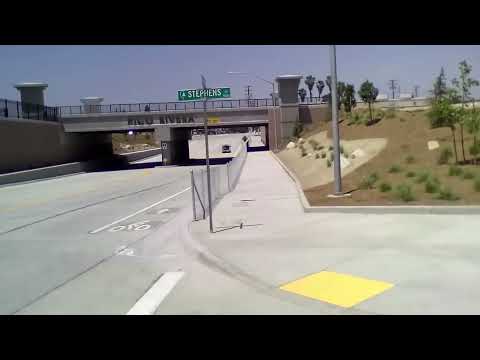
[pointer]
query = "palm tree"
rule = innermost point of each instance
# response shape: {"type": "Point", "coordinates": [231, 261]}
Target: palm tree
{"type": "Point", "coordinates": [320, 86]}
{"type": "Point", "coordinates": [302, 93]}
{"type": "Point", "coordinates": [310, 82]}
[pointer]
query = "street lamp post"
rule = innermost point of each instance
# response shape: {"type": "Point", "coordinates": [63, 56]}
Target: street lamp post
{"type": "Point", "coordinates": [273, 99]}
{"type": "Point", "coordinates": [207, 157]}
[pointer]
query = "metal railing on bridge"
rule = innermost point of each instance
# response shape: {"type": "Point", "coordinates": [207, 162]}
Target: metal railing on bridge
{"type": "Point", "coordinates": [21, 110]}
{"type": "Point", "coordinates": [167, 106]}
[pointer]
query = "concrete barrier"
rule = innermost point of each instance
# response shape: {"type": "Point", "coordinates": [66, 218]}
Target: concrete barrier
{"type": "Point", "coordinates": [140, 155]}
{"type": "Point", "coordinates": [75, 167]}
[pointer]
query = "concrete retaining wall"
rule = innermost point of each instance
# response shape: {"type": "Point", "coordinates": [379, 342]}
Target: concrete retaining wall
{"type": "Point", "coordinates": [28, 144]}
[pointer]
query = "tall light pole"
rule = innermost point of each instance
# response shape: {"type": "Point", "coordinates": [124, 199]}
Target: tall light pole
{"type": "Point", "coordinates": [207, 157]}
{"type": "Point", "coordinates": [335, 131]}
{"type": "Point", "coordinates": [273, 99]}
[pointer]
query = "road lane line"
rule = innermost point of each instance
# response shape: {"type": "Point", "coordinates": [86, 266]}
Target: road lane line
{"type": "Point", "coordinates": [139, 211]}
{"type": "Point", "coordinates": [150, 301]}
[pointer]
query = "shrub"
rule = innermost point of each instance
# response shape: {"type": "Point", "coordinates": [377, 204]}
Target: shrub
{"type": "Point", "coordinates": [410, 159]}
{"type": "Point", "coordinates": [402, 119]}
{"type": "Point", "coordinates": [431, 186]}
{"type": "Point", "coordinates": [342, 150]}
{"type": "Point", "coordinates": [476, 185]}
{"type": "Point", "coordinates": [331, 156]}
{"type": "Point", "coordinates": [422, 177]}
{"type": "Point", "coordinates": [468, 175]}
{"type": "Point", "coordinates": [313, 143]}
{"type": "Point", "coordinates": [395, 169]}
{"type": "Point", "coordinates": [329, 163]}
{"type": "Point", "coordinates": [352, 156]}
{"type": "Point", "coordinates": [410, 174]}
{"type": "Point", "coordinates": [390, 114]}
{"type": "Point", "coordinates": [330, 148]}
{"type": "Point", "coordinates": [319, 147]}
{"type": "Point", "coordinates": [474, 150]}
{"type": "Point", "coordinates": [455, 171]}
{"type": "Point", "coordinates": [304, 153]}
{"type": "Point", "coordinates": [445, 156]}
{"type": "Point", "coordinates": [404, 192]}
{"type": "Point", "coordinates": [324, 155]}
{"type": "Point", "coordinates": [317, 156]}
{"type": "Point", "coordinates": [369, 181]}
{"type": "Point", "coordinates": [446, 194]}
{"type": "Point", "coordinates": [384, 187]}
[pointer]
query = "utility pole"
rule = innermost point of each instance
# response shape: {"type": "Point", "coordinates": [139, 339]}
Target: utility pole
{"type": "Point", "coordinates": [393, 86]}
{"type": "Point", "coordinates": [335, 131]}
{"type": "Point", "coordinates": [416, 87]}
{"type": "Point", "coordinates": [248, 92]}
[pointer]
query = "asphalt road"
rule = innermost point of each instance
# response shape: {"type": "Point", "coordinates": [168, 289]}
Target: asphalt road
{"type": "Point", "coordinates": [65, 243]}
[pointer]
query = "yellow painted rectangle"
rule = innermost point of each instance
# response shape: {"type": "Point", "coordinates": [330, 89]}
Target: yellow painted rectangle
{"type": "Point", "coordinates": [338, 289]}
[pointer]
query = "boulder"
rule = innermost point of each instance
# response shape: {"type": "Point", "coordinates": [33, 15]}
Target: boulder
{"type": "Point", "coordinates": [358, 153]}
{"type": "Point", "coordinates": [290, 145]}
{"type": "Point", "coordinates": [432, 145]}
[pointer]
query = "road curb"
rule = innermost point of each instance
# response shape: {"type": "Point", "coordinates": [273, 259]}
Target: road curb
{"type": "Point", "coordinates": [394, 209]}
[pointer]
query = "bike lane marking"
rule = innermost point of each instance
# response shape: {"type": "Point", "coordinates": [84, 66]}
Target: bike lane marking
{"type": "Point", "coordinates": [139, 211]}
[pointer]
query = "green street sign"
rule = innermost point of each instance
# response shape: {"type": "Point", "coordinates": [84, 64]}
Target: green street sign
{"type": "Point", "coordinates": [201, 94]}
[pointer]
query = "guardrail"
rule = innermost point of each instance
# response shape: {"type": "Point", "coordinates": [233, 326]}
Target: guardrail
{"type": "Point", "coordinates": [224, 178]}
{"type": "Point", "coordinates": [22, 110]}
{"type": "Point", "coordinates": [167, 106]}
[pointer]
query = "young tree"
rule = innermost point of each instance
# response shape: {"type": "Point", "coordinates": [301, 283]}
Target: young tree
{"type": "Point", "coordinates": [340, 94]}
{"type": "Point", "coordinates": [310, 82]}
{"type": "Point", "coordinates": [349, 101]}
{"type": "Point", "coordinates": [472, 123]}
{"type": "Point", "coordinates": [440, 86]}
{"type": "Point", "coordinates": [302, 93]}
{"type": "Point", "coordinates": [464, 86]}
{"type": "Point", "coordinates": [443, 114]}
{"type": "Point", "coordinates": [368, 93]}
{"type": "Point", "coordinates": [320, 86]}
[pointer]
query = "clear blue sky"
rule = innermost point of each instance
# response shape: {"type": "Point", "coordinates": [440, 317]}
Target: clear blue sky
{"type": "Point", "coordinates": [129, 74]}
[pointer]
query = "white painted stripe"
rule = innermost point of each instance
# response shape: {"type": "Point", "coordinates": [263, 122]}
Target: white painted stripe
{"type": "Point", "coordinates": [149, 302]}
{"type": "Point", "coordinates": [139, 211]}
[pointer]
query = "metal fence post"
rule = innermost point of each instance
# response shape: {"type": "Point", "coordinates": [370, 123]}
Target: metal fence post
{"type": "Point", "coordinates": [18, 111]}
{"type": "Point", "coordinates": [193, 196]}
{"type": "Point", "coordinates": [6, 108]}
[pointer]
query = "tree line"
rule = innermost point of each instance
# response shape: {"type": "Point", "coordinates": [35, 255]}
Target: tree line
{"type": "Point", "coordinates": [443, 113]}
{"type": "Point", "coordinates": [345, 93]}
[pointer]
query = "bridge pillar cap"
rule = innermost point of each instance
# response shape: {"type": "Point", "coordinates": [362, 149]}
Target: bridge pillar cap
{"type": "Point", "coordinates": [91, 100]}
{"type": "Point", "coordinates": [40, 85]}
{"type": "Point", "coordinates": [289, 77]}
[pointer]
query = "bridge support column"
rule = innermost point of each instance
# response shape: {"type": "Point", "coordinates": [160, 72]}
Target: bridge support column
{"type": "Point", "coordinates": [289, 113]}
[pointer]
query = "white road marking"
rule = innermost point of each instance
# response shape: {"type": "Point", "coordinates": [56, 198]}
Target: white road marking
{"type": "Point", "coordinates": [150, 301]}
{"type": "Point", "coordinates": [139, 211]}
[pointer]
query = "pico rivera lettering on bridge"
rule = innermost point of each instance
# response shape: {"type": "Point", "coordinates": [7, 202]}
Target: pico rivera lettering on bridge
{"type": "Point", "coordinates": [200, 94]}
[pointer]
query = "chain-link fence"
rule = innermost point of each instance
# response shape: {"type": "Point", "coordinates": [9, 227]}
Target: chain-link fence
{"type": "Point", "coordinates": [223, 179]}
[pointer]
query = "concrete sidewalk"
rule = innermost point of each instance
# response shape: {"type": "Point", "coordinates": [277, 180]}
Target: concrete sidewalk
{"type": "Point", "coordinates": [379, 264]}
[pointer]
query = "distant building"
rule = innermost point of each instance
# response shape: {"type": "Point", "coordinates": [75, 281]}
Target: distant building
{"type": "Point", "coordinates": [382, 97]}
